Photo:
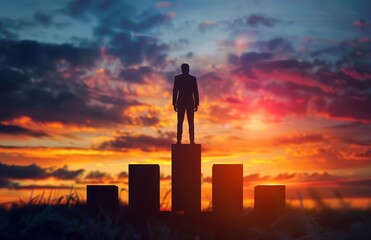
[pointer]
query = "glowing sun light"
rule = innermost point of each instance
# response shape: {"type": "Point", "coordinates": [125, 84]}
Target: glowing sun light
{"type": "Point", "coordinates": [257, 123]}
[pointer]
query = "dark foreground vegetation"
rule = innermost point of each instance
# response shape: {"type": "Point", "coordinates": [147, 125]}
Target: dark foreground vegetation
{"type": "Point", "coordinates": [67, 218]}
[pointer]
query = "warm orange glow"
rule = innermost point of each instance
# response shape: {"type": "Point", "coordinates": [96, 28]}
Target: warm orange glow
{"type": "Point", "coordinates": [277, 138]}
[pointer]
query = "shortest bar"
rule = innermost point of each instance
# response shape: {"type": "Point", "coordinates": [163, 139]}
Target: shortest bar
{"type": "Point", "coordinates": [144, 188]}
{"type": "Point", "coordinates": [102, 198]}
{"type": "Point", "coordinates": [269, 202]}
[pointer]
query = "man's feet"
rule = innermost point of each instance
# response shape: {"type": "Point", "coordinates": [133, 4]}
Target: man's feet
{"type": "Point", "coordinates": [192, 142]}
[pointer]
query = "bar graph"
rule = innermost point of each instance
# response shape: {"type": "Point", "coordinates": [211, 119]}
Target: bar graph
{"type": "Point", "coordinates": [227, 189]}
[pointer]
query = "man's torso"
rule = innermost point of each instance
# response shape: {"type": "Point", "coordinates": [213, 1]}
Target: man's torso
{"type": "Point", "coordinates": [186, 84]}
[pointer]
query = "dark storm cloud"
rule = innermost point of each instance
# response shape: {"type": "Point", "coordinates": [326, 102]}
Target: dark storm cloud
{"type": "Point", "coordinates": [142, 142]}
{"type": "Point", "coordinates": [7, 32]}
{"type": "Point", "coordinates": [284, 176]}
{"type": "Point", "coordinates": [357, 142]}
{"type": "Point", "coordinates": [353, 54]}
{"type": "Point", "coordinates": [66, 107]}
{"type": "Point", "coordinates": [141, 120]}
{"type": "Point", "coordinates": [255, 177]}
{"type": "Point", "coordinates": [288, 177]}
{"type": "Point", "coordinates": [358, 182]}
{"type": "Point", "coordinates": [287, 64]}
{"type": "Point", "coordinates": [336, 51]}
{"type": "Point", "coordinates": [11, 27]}
{"type": "Point", "coordinates": [66, 174]}
{"type": "Point", "coordinates": [117, 14]}
{"type": "Point", "coordinates": [36, 172]}
{"type": "Point", "coordinates": [17, 130]}
{"type": "Point", "coordinates": [78, 8]}
{"type": "Point", "coordinates": [189, 55]}
{"type": "Point", "coordinates": [39, 58]}
{"type": "Point", "coordinates": [97, 175]}
{"type": "Point", "coordinates": [136, 49]}
{"type": "Point", "coordinates": [22, 172]}
{"type": "Point", "coordinates": [15, 24]}
{"type": "Point", "coordinates": [145, 22]}
{"type": "Point", "coordinates": [249, 58]}
{"type": "Point", "coordinates": [31, 85]}
{"type": "Point", "coordinates": [349, 105]}
{"type": "Point", "coordinates": [292, 90]}
{"type": "Point", "coordinates": [248, 61]}
{"type": "Point", "coordinates": [46, 19]}
{"type": "Point", "coordinates": [123, 29]}
{"type": "Point", "coordinates": [11, 80]}
{"type": "Point", "coordinates": [136, 75]}
{"type": "Point", "coordinates": [43, 18]}
{"type": "Point", "coordinates": [254, 20]}
{"type": "Point", "coordinates": [122, 175]}
{"type": "Point", "coordinates": [275, 45]}
{"type": "Point", "coordinates": [6, 183]}
{"type": "Point", "coordinates": [346, 126]}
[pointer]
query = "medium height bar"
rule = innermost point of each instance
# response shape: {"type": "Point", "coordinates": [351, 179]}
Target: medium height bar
{"type": "Point", "coordinates": [144, 188]}
{"type": "Point", "coordinates": [269, 202]}
{"type": "Point", "coordinates": [227, 190]}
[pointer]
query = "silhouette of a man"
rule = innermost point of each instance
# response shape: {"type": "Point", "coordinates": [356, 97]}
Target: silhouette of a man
{"type": "Point", "coordinates": [185, 98]}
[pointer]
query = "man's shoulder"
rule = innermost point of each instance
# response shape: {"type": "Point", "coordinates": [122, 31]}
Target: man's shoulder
{"type": "Point", "coordinates": [184, 76]}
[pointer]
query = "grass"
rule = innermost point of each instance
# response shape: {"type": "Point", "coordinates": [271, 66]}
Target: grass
{"type": "Point", "coordinates": [67, 218]}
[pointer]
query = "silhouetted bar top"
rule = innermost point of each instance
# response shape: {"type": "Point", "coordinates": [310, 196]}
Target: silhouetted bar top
{"type": "Point", "coordinates": [186, 146]}
{"type": "Point", "coordinates": [186, 177]}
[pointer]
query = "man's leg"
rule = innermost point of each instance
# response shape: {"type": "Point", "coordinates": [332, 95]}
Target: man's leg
{"type": "Point", "coordinates": [181, 111]}
{"type": "Point", "coordinates": [190, 117]}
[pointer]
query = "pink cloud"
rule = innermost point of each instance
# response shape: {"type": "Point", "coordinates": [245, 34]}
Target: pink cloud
{"type": "Point", "coordinates": [300, 139]}
{"type": "Point", "coordinates": [360, 23]}
{"type": "Point", "coordinates": [356, 74]}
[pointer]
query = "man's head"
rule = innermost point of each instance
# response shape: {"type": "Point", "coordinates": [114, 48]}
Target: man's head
{"type": "Point", "coordinates": [185, 68]}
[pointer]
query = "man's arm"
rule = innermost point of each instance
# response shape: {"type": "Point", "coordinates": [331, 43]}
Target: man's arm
{"type": "Point", "coordinates": [195, 94]}
{"type": "Point", "coordinates": [175, 94]}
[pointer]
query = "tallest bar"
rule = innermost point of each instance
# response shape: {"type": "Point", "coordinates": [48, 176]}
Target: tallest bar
{"type": "Point", "coordinates": [186, 177]}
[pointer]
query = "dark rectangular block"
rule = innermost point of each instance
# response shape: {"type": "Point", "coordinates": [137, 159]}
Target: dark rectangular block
{"type": "Point", "coordinates": [227, 200]}
{"type": "Point", "coordinates": [102, 198]}
{"type": "Point", "coordinates": [186, 177]}
{"type": "Point", "coordinates": [144, 188]}
{"type": "Point", "coordinates": [227, 190]}
{"type": "Point", "coordinates": [269, 201]}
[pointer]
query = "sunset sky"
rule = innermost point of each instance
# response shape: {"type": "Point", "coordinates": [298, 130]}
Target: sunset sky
{"type": "Point", "coordinates": [285, 89]}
